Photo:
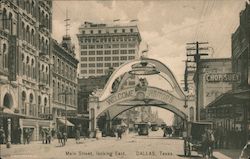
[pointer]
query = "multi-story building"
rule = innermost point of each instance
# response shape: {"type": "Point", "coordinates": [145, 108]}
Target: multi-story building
{"type": "Point", "coordinates": [103, 46]}
{"type": "Point", "coordinates": [25, 32]}
{"type": "Point", "coordinates": [63, 79]}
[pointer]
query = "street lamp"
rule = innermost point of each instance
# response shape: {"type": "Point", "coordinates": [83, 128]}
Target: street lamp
{"type": "Point", "coordinates": [65, 93]}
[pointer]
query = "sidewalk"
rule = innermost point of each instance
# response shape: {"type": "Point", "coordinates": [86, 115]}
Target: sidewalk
{"type": "Point", "coordinates": [227, 153]}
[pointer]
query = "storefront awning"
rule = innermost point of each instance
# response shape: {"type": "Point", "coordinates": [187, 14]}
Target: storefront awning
{"type": "Point", "coordinates": [62, 122]}
{"type": "Point", "coordinates": [238, 96]}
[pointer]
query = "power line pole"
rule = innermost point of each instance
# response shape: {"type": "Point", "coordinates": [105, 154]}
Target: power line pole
{"type": "Point", "coordinates": [195, 46]}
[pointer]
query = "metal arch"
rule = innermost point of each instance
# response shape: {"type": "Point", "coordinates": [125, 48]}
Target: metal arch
{"type": "Point", "coordinates": [159, 65]}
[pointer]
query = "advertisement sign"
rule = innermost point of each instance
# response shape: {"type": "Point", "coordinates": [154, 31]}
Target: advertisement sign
{"type": "Point", "coordinates": [223, 77]}
{"type": "Point", "coordinates": [12, 58]}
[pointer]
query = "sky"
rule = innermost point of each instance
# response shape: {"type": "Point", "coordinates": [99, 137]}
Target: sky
{"type": "Point", "coordinates": [165, 25]}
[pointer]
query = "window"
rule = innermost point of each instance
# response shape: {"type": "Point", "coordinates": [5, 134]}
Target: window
{"type": "Point", "coordinates": [131, 51]}
{"type": "Point", "coordinates": [99, 71]}
{"type": "Point", "coordinates": [84, 46]}
{"type": "Point", "coordinates": [123, 45]}
{"type": "Point", "coordinates": [107, 46]}
{"type": "Point", "coordinates": [99, 58]}
{"type": "Point", "coordinates": [91, 46]}
{"type": "Point", "coordinates": [123, 30]}
{"type": "Point", "coordinates": [114, 52]}
{"type": "Point", "coordinates": [99, 46]}
{"type": "Point", "coordinates": [99, 64]}
{"type": "Point", "coordinates": [131, 45]}
{"type": "Point", "coordinates": [115, 64]}
{"type": "Point", "coordinates": [99, 31]}
{"type": "Point", "coordinates": [91, 32]}
{"type": "Point", "coordinates": [91, 64]}
{"type": "Point", "coordinates": [91, 58]}
{"type": "Point", "coordinates": [84, 59]}
{"type": "Point", "coordinates": [99, 52]}
{"type": "Point", "coordinates": [115, 31]}
{"type": "Point", "coordinates": [92, 71]}
{"type": "Point", "coordinates": [83, 65]}
{"type": "Point", "coordinates": [131, 30]}
{"type": "Point", "coordinates": [123, 51]}
{"type": "Point", "coordinates": [84, 71]}
{"type": "Point", "coordinates": [83, 32]}
{"type": "Point", "coordinates": [107, 52]}
{"type": "Point", "coordinates": [123, 58]}
{"type": "Point", "coordinates": [107, 58]}
{"type": "Point", "coordinates": [131, 57]}
{"type": "Point", "coordinates": [84, 52]}
{"type": "Point", "coordinates": [115, 58]}
{"type": "Point", "coordinates": [91, 52]}
{"type": "Point", "coordinates": [115, 45]}
{"type": "Point", "coordinates": [107, 64]}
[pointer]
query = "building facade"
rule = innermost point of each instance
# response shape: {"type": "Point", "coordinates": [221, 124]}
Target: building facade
{"type": "Point", "coordinates": [63, 79]}
{"type": "Point", "coordinates": [211, 81]}
{"type": "Point", "coordinates": [103, 46]}
{"type": "Point", "coordinates": [25, 28]}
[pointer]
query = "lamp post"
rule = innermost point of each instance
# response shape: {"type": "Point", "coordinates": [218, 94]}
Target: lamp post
{"type": "Point", "coordinates": [65, 93]}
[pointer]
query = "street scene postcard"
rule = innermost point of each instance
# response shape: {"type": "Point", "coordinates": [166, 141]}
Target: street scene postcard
{"type": "Point", "coordinates": [124, 79]}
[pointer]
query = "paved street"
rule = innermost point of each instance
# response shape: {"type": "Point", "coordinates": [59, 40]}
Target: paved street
{"type": "Point", "coordinates": [131, 146]}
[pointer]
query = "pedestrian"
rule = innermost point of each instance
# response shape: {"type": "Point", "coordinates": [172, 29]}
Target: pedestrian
{"type": "Point", "coordinates": [119, 132]}
{"type": "Point", "coordinates": [2, 136]}
{"type": "Point", "coordinates": [43, 135]}
{"type": "Point", "coordinates": [204, 144]}
{"type": "Point", "coordinates": [64, 138]}
{"type": "Point", "coordinates": [19, 130]}
{"type": "Point", "coordinates": [48, 136]}
{"type": "Point", "coordinates": [60, 137]}
{"type": "Point", "coordinates": [77, 136]}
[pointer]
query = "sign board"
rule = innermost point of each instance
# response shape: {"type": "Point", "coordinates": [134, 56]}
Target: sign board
{"type": "Point", "coordinates": [223, 77]}
{"type": "Point", "coordinates": [46, 116]}
{"type": "Point", "coordinates": [12, 58]}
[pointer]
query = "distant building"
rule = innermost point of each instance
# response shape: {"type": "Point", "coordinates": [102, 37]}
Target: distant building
{"type": "Point", "coordinates": [103, 46]}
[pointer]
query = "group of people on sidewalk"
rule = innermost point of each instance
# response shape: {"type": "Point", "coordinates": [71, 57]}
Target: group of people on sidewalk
{"type": "Point", "coordinates": [207, 144]}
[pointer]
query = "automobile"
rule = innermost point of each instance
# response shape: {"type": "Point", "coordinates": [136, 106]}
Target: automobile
{"type": "Point", "coordinates": [142, 128]}
{"type": "Point", "coordinates": [245, 153]}
{"type": "Point", "coordinates": [154, 127]}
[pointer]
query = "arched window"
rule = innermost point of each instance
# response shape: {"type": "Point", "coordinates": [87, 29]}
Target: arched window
{"type": "Point", "coordinates": [43, 45]}
{"type": "Point", "coordinates": [62, 68]}
{"type": "Point", "coordinates": [54, 89]}
{"type": "Point", "coordinates": [28, 6]}
{"type": "Point", "coordinates": [39, 105]}
{"type": "Point", "coordinates": [45, 105]}
{"type": "Point", "coordinates": [31, 110]}
{"type": "Point", "coordinates": [11, 23]}
{"type": "Point", "coordinates": [47, 21]}
{"type": "Point", "coordinates": [59, 91]}
{"type": "Point", "coordinates": [5, 57]}
{"type": "Point", "coordinates": [33, 69]}
{"type": "Point", "coordinates": [33, 37]}
{"type": "Point", "coordinates": [33, 8]}
{"type": "Point", "coordinates": [23, 103]}
{"type": "Point", "coordinates": [28, 34]}
{"type": "Point", "coordinates": [27, 64]}
{"type": "Point", "coordinates": [59, 66]}
{"type": "Point", "coordinates": [23, 31]}
{"type": "Point", "coordinates": [23, 62]}
{"type": "Point", "coordinates": [46, 47]}
{"type": "Point", "coordinates": [4, 17]}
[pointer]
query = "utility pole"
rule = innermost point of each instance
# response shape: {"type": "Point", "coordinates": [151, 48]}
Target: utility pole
{"type": "Point", "coordinates": [65, 93]}
{"type": "Point", "coordinates": [195, 46]}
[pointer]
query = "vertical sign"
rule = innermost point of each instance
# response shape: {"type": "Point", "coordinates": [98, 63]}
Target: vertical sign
{"type": "Point", "coordinates": [12, 58]}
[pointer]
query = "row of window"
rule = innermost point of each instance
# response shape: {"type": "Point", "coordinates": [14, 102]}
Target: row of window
{"type": "Point", "coordinates": [29, 106]}
{"type": "Point", "coordinates": [29, 7]}
{"type": "Point", "coordinates": [107, 52]}
{"type": "Point", "coordinates": [108, 58]}
{"type": "Point", "coordinates": [63, 69]}
{"type": "Point", "coordinates": [108, 31]}
{"type": "Point", "coordinates": [59, 88]}
{"type": "Point", "coordinates": [100, 46]}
